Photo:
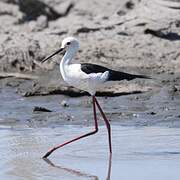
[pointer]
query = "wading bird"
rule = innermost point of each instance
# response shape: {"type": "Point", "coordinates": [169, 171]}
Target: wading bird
{"type": "Point", "coordinates": [87, 77]}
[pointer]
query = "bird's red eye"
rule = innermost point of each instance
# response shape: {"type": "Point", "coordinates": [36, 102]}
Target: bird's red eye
{"type": "Point", "coordinates": [68, 43]}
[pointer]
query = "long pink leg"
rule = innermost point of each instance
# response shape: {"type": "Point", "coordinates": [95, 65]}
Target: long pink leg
{"type": "Point", "coordinates": [106, 122]}
{"type": "Point", "coordinates": [79, 137]}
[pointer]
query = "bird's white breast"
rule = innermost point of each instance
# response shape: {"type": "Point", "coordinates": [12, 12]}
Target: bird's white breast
{"type": "Point", "coordinates": [74, 76]}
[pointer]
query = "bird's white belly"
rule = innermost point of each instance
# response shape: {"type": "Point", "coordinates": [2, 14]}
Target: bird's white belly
{"type": "Point", "coordinates": [83, 84]}
{"type": "Point", "coordinates": [73, 75]}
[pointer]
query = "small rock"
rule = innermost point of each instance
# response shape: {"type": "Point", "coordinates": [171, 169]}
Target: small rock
{"type": "Point", "coordinates": [69, 118]}
{"type": "Point", "coordinates": [121, 13]}
{"type": "Point", "coordinates": [122, 33]}
{"type": "Point", "coordinates": [152, 113]}
{"type": "Point", "coordinates": [136, 97]}
{"type": "Point", "coordinates": [41, 109]}
{"type": "Point", "coordinates": [42, 22]}
{"type": "Point", "coordinates": [64, 103]}
{"type": "Point", "coordinates": [135, 115]}
{"type": "Point", "coordinates": [175, 89]}
{"type": "Point", "coordinates": [129, 5]}
{"type": "Point", "coordinates": [177, 23]}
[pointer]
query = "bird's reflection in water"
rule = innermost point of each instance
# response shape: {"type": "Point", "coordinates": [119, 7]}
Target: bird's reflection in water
{"type": "Point", "coordinates": [109, 167]}
{"type": "Point", "coordinates": [79, 173]}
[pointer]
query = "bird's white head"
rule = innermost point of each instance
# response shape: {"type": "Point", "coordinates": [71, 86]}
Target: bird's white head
{"type": "Point", "coordinates": [69, 43]}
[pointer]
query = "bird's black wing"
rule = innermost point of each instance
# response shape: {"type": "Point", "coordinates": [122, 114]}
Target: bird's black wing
{"type": "Point", "coordinates": [93, 68]}
{"type": "Point", "coordinates": [113, 75]}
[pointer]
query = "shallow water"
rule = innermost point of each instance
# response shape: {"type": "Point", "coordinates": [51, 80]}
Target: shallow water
{"type": "Point", "coordinates": [140, 151]}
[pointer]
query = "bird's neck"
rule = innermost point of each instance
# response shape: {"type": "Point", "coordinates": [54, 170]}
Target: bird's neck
{"type": "Point", "coordinates": [66, 60]}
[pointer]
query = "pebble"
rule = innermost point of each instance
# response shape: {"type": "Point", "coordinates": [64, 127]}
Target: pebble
{"type": "Point", "coordinates": [41, 109]}
{"type": "Point", "coordinates": [135, 115]}
{"type": "Point", "coordinates": [64, 103]}
{"type": "Point", "coordinates": [152, 113]}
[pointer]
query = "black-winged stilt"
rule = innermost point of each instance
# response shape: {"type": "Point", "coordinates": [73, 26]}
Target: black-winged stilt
{"type": "Point", "coordinates": [86, 77]}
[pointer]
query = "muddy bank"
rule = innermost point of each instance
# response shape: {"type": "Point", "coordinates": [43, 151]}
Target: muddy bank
{"type": "Point", "coordinates": [159, 108]}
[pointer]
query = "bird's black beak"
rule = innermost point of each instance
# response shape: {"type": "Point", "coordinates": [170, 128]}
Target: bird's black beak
{"type": "Point", "coordinates": [58, 51]}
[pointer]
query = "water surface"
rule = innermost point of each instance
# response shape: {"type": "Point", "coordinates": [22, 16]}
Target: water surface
{"type": "Point", "coordinates": [138, 153]}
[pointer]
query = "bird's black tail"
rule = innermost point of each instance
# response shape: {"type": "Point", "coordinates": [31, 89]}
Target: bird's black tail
{"type": "Point", "coordinates": [119, 76]}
